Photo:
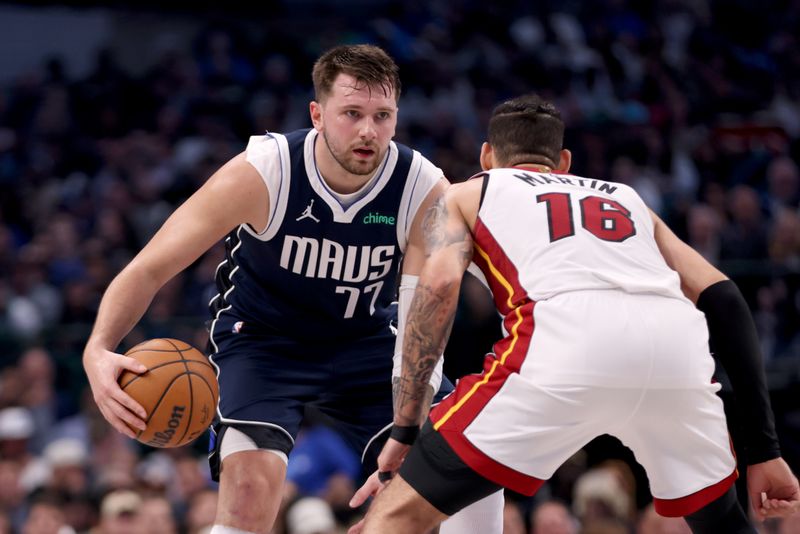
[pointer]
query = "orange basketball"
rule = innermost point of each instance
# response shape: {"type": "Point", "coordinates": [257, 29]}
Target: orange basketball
{"type": "Point", "coordinates": [179, 391]}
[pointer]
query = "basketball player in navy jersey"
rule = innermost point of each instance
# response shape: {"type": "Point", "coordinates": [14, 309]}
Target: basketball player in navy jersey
{"type": "Point", "coordinates": [600, 303]}
{"type": "Point", "coordinates": [317, 222]}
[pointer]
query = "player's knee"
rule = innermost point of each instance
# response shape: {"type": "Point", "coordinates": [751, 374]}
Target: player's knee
{"type": "Point", "coordinates": [253, 485]}
{"type": "Point", "coordinates": [250, 490]}
{"type": "Point", "coordinates": [253, 475]}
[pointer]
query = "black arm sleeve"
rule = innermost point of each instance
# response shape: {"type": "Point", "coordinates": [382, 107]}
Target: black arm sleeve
{"type": "Point", "coordinates": [734, 342]}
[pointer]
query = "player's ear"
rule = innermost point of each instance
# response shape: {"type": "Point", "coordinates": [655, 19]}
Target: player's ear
{"type": "Point", "coordinates": [315, 109]}
{"type": "Point", "coordinates": [565, 160]}
{"type": "Point", "coordinates": [487, 156]}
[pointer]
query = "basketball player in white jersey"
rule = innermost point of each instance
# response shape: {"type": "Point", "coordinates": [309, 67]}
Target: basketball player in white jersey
{"type": "Point", "coordinates": [317, 221]}
{"type": "Point", "coordinates": [602, 336]}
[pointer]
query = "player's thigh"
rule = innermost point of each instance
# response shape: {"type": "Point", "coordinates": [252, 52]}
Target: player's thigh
{"type": "Point", "coordinates": [517, 432]}
{"type": "Point", "coordinates": [267, 380]}
{"type": "Point", "coordinates": [439, 476]}
{"type": "Point", "coordinates": [265, 383]}
{"type": "Point", "coordinates": [400, 509]}
{"type": "Point", "coordinates": [681, 438]}
{"type": "Point", "coordinates": [359, 397]}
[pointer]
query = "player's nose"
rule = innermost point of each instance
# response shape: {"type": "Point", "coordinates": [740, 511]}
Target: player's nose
{"type": "Point", "coordinates": [367, 129]}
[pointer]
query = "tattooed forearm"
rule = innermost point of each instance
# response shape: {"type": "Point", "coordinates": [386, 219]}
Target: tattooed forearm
{"type": "Point", "coordinates": [430, 319]}
{"type": "Point", "coordinates": [448, 250]}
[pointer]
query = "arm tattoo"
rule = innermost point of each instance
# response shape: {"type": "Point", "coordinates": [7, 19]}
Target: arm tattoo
{"type": "Point", "coordinates": [439, 233]}
{"type": "Point", "coordinates": [434, 226]}
{"type": "Point", "coordinates": [432, 311]}
{"type": "Point", "coordinates": [430, 319]}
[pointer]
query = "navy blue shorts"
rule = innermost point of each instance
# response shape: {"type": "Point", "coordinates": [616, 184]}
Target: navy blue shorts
{"type": "Point", "coordinates": [266, 381]}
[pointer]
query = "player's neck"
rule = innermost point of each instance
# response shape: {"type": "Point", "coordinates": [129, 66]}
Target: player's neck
{"type": "Point", "coordinates": [535, 167]}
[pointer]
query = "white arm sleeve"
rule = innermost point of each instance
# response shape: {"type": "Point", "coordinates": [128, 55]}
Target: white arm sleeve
{"type": "Point", "coordinates": [408, 283]}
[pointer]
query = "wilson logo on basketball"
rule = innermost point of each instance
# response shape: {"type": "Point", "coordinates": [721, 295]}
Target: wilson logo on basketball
{"type": "Point", "coordinates": [162, 437]}
{"type": "Point", "coordinates": [178, 392]}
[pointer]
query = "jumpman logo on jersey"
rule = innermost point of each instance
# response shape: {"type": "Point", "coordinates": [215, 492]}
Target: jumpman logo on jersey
{"type": "Point", "coordinates": [307, 213]}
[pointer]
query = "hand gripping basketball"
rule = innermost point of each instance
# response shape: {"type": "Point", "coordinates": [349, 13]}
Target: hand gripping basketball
{"type": "Point", "coordinates": [178, 391]}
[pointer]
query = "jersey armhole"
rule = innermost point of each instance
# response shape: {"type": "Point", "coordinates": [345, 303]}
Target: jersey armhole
{"type": "Point", "coordinates": [272, 163]}
{"type": "Point", "coordinates": [484, 185]}
{"type": "Point", "coordinates": [425, 177]}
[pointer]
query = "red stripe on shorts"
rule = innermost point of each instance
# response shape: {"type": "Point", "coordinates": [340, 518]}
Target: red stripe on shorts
{"type": "Point", "coordinates": [692, 503]}
{"type": "Point", "coordinates": [491, 469]}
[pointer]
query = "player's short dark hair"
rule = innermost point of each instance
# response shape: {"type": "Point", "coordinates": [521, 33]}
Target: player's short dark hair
{"type": "Point", "coordinates": [368, 64]}
{"type": "Point", "coordinates": [526, 129]}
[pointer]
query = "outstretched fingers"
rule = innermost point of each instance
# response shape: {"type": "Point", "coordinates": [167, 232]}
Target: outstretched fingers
{"type": "Point", "coordinates": [370, 488]}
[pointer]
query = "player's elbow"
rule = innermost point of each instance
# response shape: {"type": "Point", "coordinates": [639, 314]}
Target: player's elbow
{"type": "Point", "coordinates": [143, 276]}
{"type": "Point", "coordinates": [693, 286]}
{"type": "Point", "coordinates": [441, 280]}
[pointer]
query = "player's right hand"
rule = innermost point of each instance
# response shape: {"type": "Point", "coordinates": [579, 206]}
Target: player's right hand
{"type": "Point", "coordinates": [103, 368]}
{"type": "Point", "coordinates": [773, 489]}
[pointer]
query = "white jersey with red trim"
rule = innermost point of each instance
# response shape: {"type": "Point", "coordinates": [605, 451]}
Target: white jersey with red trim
{"type": "Point", "coordinates": [600, 340]}
{"type": "Point", "coordinates": [581, 233]}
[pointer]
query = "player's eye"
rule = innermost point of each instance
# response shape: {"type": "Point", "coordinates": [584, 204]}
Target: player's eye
{"type": "Point", "coordinates": [383, 115]}
{"type": "Point", "coordinates": [353, 114]}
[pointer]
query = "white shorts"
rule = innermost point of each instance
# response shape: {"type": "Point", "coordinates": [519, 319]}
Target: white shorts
{"type": "Point", "coordinates": [597, 362]}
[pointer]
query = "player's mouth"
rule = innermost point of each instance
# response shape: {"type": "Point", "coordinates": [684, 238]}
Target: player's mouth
{"type": "Point", "coordinates": [364, 153]}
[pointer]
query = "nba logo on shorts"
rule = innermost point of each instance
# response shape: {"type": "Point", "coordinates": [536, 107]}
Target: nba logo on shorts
{"type": "Point", "coordinates": [237, 327]}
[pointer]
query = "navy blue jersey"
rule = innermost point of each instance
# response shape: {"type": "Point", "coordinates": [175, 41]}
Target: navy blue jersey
{"type": "Point", "coordinates": [320, 270]}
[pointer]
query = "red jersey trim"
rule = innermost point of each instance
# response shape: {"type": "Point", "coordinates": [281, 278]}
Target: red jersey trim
{"type": "Point", "coordinates": [475, 391]}
{"type": "Point", "coordinates": [501, 273]}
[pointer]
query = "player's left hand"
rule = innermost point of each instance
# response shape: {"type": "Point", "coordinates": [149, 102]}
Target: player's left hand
{"type": "Point", "coordinates": [773, 489]}
{"type": "Point", "coordinates": [392, 456]}
{"type": "Point", "coordinates": [370, 488]}
{"type": "Point", "coordinates": [389, 461]}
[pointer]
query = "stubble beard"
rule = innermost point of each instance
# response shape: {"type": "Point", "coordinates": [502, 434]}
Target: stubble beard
{"type": "Point", "coordinates": [349, 166]}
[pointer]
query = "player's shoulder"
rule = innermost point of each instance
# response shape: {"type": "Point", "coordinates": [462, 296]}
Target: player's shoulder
{"type": "Point", "coordinates": [272, 140]}
{"type": "Point", "coordinates": [236, 172]}
{"type": "Point", "coordinates": [422, 176]}
{"type": "Point", "coordinates": [467, 188]}
{"type": "Point", "coordinates": [402, 148]}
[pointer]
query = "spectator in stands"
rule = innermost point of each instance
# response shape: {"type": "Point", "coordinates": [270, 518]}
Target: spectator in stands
{"type": "Point", "coordinates": [553, 517]}
{"type": "Point", "coordinates": [156, 517]}
{"type": "Point", "coordinates": [119, 513]}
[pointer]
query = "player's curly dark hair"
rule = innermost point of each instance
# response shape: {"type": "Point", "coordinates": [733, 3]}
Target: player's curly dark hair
{"type": "Point", "coordinates": [526, 129]}
{"type": "Point", "coordinates": [368, 64]}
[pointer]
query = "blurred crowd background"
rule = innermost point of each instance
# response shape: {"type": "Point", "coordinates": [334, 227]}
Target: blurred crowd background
{"type": "Point", "coordinates": [111, 116]}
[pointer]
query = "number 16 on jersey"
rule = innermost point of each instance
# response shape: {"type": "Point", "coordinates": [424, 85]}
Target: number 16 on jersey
{"type": "Point", "coordinates": [604, 218]}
